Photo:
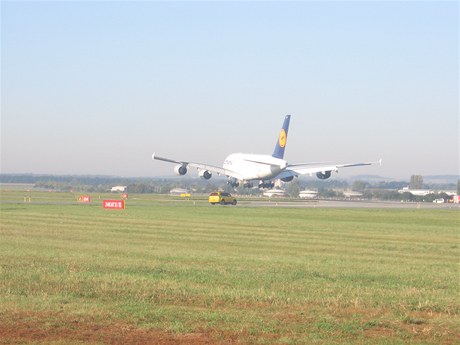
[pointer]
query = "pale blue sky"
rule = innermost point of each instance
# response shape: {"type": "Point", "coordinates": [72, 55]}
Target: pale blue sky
{"type": "Point", "coordinates": [96, 87]}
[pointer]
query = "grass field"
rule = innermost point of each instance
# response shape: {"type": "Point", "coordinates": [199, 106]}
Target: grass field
{"type": "Point", "coordinates": [168, 271]}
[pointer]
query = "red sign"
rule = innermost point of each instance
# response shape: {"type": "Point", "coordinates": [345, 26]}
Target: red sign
{"type": "Point", "coordinates": [85, 199]}
{"type": "Point", "coordinates": [116, 204]}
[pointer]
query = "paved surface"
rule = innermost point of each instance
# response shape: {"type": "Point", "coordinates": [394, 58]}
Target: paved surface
{"type": "Point", "coordinates": [273, 203]}
{"type": "Point", "coordinates": [349, 204]}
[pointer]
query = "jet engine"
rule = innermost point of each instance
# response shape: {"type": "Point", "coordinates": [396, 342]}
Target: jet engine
{"type": "Point", "coordinates": [180, 169]}
{"type": "Point", "coordinates": [287, 179]}
{"type": "Point", "coordinates": [323, 175]}
{"type": "Point", "coordinates": [206, 174]}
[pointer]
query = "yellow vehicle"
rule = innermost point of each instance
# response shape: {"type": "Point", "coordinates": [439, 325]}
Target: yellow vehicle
{"type": "Point", "coordinates": [222, 198]}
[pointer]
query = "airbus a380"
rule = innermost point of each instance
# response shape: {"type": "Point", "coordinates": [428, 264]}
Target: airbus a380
{"type": "Point", "coordinates": [248, 168]}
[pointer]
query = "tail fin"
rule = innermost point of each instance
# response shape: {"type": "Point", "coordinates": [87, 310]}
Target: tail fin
{"type": "Point", "coordinates": [281, 142]}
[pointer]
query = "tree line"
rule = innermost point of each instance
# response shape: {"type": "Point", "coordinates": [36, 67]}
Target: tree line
{"type": "Point", "coordinates": [333, 188]}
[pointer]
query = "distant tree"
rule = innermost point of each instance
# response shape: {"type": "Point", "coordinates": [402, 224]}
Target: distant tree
{"type": "Point", "coordinates": [241, 190]}
{"type": "Point", "coordinates": [416, 182]}
{"type": "Point", "coordinates": [445, 196]}
{"type": "Point", "coordinates": [327, 193]}
{"type": "Point", "coordinates": [458, 187]}
{"type": "Point", "coordinates": [293, 189]}
{"type": "Point", "coordinates": [165, 188]}
{"type": "Point", "coordinates": [430, 197]}
{"type": "Point", "coordinates": [227, 188]}
{"type": "Point", "coordinates": [140, 188]}
{"type": "Point", "coordinates": [210, 187]}
{"type": "Point", "coordinates": [391, 185]}
{"type": "Point", "coordinates": [387, 195]}
{"type": "Point", "coordinates": [407, 196]}
{"type": "Point", "coordinates": [367, 194]}
{"type": "Point", "coordinates": [359, 186]}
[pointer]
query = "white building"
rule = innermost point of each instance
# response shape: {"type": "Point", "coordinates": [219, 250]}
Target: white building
{"type": "Point", "coordinates": [275, 192]}
{"type": "Point", "coordinates": [178, 191]}
{"type": "Point", "coordinates": [119, 189]}
{"type": "Point", "coordinates": [415, 192]}
{"type": "Point", "coordinates": [308, 194]}
{"type": "Point", "coordinates": [352, 194]}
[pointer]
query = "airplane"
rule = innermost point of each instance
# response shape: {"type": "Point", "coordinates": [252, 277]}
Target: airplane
{"type": "Point", "coordinates": [247, 168]}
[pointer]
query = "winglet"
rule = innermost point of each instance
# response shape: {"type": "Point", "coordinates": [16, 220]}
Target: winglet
{"type": "Point", "coordinates": [153, 156]}
{"type": "Point", "coordinates": [282, 139]}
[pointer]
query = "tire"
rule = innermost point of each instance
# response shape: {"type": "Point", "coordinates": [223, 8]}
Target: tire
{"type": "Point", "coordinates": [234, 202]}
{"type": "Point", "coordinates": [222, 202]}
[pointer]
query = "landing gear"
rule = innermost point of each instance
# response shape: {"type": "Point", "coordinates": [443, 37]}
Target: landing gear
{"type": "Point", "coordinates": [233, 183]}
{"type": "Point", "coordinates": [269, 184]}
{"type": "Point", "coordinates": [246, 184]}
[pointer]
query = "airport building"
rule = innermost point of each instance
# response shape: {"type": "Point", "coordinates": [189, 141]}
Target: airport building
{"type": "Point", "coordinates": [275, 193]}
{"type": "Point", "coordinates": [178, 191]}
{"type": "Point", "coordinates": [119, 189]}
{"type": "Point", "coordinates": [308, 194]}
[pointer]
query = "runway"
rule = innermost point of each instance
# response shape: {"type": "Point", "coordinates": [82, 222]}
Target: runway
{"type": "Point", "coordinates": [348, 204]}
{"type": "Point", "coordinates": [201, 201]}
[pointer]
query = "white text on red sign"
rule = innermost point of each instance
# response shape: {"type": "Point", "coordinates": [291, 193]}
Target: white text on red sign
{"type": "Point", "coordinates": [117, 204]}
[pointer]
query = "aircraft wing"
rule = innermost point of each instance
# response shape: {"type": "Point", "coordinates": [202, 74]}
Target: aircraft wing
{"type": "Point", "coordinates": [313, 168]}
{"type": "Point", "coordinates": [201, 166]}
{"type": "Point", "coordinates": [217, 170]}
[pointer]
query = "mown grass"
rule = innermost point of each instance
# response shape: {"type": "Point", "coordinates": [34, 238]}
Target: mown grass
{"type": "Point", "coordinates": [268, 275]}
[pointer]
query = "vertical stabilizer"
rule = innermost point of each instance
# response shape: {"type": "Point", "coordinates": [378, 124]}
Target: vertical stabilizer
{"type": "Point", "coordinates": [282, 139]}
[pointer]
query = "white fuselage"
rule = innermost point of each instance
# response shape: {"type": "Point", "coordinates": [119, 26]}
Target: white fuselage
{"type": "Point", "coordinates": [254, 167]}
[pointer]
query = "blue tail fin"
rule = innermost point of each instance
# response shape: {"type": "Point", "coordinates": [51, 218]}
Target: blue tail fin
{"type": "Point", "coordinates": [281, 142]}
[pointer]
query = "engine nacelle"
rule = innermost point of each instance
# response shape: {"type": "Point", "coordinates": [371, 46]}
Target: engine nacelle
{"type": "Point", "coordinates": [180, 169]}
{"type": "Point", "coordinates": [206, 174]}
{"type": "Point", "coordinates": [287, 179]}
{"type": "Point", "coordinates": [323, 175]}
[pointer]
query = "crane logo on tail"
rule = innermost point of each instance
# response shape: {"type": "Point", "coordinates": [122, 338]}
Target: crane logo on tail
{"type": "Point", "coordinates": [282, 138]}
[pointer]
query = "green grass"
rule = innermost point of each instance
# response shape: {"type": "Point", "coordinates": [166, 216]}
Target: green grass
{"type": "Point", "coordinates": [261, 275]}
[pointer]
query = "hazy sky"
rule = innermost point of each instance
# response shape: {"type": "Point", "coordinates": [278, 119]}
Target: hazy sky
{"type": "Point", "coordinates": [97, 87]}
